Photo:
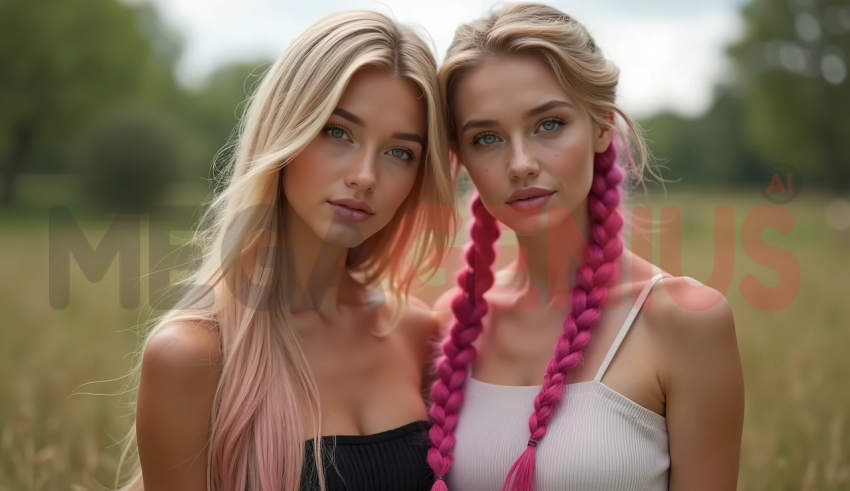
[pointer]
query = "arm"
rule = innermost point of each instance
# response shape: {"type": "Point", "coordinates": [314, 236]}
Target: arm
{"type": "Point", "coordinates": [179, 377]}
{"type": "Point", "coordinates": [704, 388]}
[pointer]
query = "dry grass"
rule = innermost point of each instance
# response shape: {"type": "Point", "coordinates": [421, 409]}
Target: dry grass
{"type": "Point", "coordinates": [797, 428]}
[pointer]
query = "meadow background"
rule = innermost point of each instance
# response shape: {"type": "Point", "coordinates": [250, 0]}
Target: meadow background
{"type": "Point", "coordinates": [94, 117]}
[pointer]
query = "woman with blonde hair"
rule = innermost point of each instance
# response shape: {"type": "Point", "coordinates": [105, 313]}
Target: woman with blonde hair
{"type": "Point", "coordinates": [295, 328]}
{"type": "Point", "coordinates": [534, 121]}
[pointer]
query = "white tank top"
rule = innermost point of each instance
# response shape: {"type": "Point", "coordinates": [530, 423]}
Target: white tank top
{"type": "Point", "coordinates": [598, 440]}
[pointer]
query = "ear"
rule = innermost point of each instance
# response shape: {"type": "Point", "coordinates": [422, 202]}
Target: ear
{"type": "Point", "coordinates": [455, 163]}
{"type": "Point", "coordinates": [604, 134]}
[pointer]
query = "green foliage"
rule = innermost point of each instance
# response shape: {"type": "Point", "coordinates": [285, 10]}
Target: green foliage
{"type": "Point", "coordinates": [66, 63]}
{"type": "Point", "coordinates": [709, 149]}
{"type": "Point", "coordinates": [215, 109]}
{"type": "Point", "coordinates": [63, 62]}
{"type": "Point", "coordinates": [795, 111]}
{"type": "Point", "coordinates": [781, 108]}
{"type": "Point", "coordinates": [128, 157]}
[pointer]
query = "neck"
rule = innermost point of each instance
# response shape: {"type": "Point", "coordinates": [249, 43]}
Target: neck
{"type": "Point", "coordinates": [318, 269]}
{"type": "Point", "coordinates": [553, 256]}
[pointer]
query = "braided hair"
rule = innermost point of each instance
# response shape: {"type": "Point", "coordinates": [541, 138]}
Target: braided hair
{"type": "Point", "coordinates": [469, 307]}
{"type": "Point", "coordinates": [578, 64]}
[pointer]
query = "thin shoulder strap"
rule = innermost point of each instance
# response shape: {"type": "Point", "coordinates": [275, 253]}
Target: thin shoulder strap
{"type": "Point", "coordinates": [626, 325]}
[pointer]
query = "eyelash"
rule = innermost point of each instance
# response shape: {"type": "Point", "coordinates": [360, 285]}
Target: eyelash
{"type": "Point", "coordinates": [560, 122]}
{"type": "Point", "coordinates": [476, 140]}
{"type": "Point", "coordinates": [329, 127]}
{"type": "Point", "coordinates": [410, 155]}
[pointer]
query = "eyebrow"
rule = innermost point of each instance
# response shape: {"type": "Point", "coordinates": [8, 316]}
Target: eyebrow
{"type": "Point", "coordinates": [479, 123]}
{"type": "Point", "coordinates": [545, 107]}
{"type": "Point", "coordinates": [413, 137]}
{"type": "Point", "coordinates": [486, 123]}
{"type": "Point", "coordinates": [347, 115]}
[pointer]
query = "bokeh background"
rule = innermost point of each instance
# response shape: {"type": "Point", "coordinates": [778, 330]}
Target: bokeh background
{"type": "Point", "coordinates": [108, 104]}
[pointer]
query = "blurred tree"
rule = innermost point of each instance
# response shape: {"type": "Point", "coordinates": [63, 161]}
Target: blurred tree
{"type": "Point", "coordinates": [128, 156]}
{"type": "Point", "coordinates": [218, 106]}
{"type": "Point", "coordinates": [711, 148]}
{"type": "Point", "coordinates": [792, 64]}
{"type": "Point", "coordinates": [63, 61]}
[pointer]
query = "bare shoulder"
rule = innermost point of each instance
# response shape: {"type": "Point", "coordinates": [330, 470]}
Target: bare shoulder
{"type": "Point", "coordinates": [684, 308]}
{"type": "Point", "coordinates": [693, 329]}
{"type": "Point", "coordinates": [179, 377]}
{"type": "Point", "coordinates": [182, 349]}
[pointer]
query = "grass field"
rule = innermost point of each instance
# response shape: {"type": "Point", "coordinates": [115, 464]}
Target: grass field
{"type": "Point", "coordinates": [797, 427]}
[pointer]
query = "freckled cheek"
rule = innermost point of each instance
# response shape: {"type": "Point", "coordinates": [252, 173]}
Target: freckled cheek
{"type": "Point", "coordinates": [490, 177]}
{"type": "Point", "coordinates": [571, 165]}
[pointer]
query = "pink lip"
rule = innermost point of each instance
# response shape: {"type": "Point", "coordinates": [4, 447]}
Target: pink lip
{"type": "Point", "coordinates": [530, 192]}
{"type": "Point", "coordinates": [351, 209]}
{"type": "Point", "coordinates": [529, 198]}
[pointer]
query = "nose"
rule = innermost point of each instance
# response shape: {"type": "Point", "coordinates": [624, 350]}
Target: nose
{"type": "Point", "coordinates": [363, 174]}
{"type": "Point", "coordinates": [522, 165]}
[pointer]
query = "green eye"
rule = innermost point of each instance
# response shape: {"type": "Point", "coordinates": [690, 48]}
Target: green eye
{"type": "Point", "coordinates": [398, 153]}
{"type": "Point", "coordinates": [549, 126]}
{"type": "Point", "coordinates": [488, 139]}
{"type": "Point", "coordinates": [337, 133]}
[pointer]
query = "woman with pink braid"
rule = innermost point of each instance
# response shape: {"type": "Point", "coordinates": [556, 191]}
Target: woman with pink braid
{"type": "Point", "coordinates": [534, 122]}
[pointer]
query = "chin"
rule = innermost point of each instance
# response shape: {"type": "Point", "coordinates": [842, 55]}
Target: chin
{"type": "Point", "coordinates": [526, 226]}
{"type": "Point", "coordinates": [345, 235]}
{"type": "Point", "coordinates": [535, 224]}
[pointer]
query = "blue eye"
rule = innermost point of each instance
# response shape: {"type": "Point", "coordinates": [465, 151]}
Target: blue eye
{"type": "Point", "coordinates": [486, 139]}
{"type": "Point", "coordinates": [549, 125]}
{"type": "Point", "coordinates": [401, 153]}
{"type": "Point", "coordinates": [336, 132]}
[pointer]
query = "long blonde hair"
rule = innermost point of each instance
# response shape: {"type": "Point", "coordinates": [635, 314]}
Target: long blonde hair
{"type": "Point", "coordinates": [266, 392]}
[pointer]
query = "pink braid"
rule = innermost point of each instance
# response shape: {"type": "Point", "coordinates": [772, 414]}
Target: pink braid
{"type": "Point", "coordinates": [592, 279]}
{"type": "Point", "coordinates": [469, 307]}
{"type": "Point", "coordinates": [603, 253]}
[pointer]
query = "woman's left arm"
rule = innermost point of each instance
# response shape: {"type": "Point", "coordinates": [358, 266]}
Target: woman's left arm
{"type": "Point", "coordinates": [704, 388]}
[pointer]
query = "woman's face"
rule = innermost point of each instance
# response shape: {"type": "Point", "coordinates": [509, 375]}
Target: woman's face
{"type": "Point", "coordinates": [527, 144]}
{"type": "Point", "coordinates": [349, 181]}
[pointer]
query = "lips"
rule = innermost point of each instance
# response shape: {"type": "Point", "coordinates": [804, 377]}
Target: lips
{"type": "Point", "coordinates": [353, 204]}
{"type": "Point", "coordinates": [529, 200]}
{"type": "Point", "coordinates": [528, 194]}
{"type": "Point", "coordinates": [351, 209]}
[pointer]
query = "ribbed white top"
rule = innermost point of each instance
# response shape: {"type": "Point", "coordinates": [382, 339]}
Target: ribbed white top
{"type": "Point", "coordinates": [598, 440]}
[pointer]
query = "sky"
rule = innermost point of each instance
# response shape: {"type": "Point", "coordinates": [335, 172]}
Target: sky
{"type": "Point", "coordinates": [670, 52]}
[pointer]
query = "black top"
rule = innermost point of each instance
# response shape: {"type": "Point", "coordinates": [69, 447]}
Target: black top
{"type": "Point", "coordinates": [393, 460]}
